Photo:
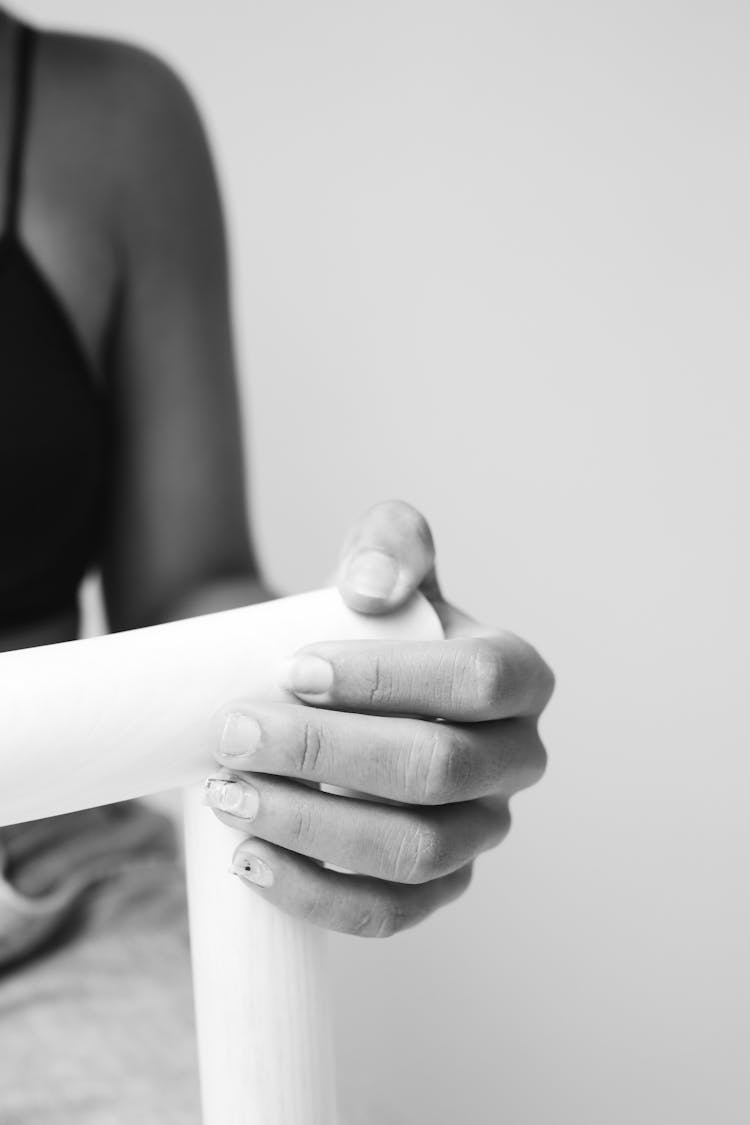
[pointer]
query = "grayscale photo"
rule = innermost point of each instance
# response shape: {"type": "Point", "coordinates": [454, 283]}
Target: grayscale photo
{"type": "Point", "coordinates": [373, 562]}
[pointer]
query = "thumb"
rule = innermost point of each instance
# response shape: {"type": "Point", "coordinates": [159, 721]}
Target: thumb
{"type": "Point", "coordinates": [388, 554]}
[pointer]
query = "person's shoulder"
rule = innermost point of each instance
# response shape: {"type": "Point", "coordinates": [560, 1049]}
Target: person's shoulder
{"type": "Point", "coordinates": [141, 129]}
{"type": "Point", "coordinates": [125, 76]}
{"type": "Point", "coordinates": [132, 90]}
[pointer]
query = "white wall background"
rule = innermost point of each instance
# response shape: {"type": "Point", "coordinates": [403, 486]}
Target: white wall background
{"type": "Point", "coordinates": [493, 257]}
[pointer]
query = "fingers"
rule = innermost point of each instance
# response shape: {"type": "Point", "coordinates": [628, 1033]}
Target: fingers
{"type": "Point", "coordinates": [465, 679]}
{"type": "Point", "coordinates": [387, 555]}
{"type": "Point", "coordinates": [401, 759]}
{"type": "Point", "coordinates": [397, 844]}
{"type": "Point", "coordinates": [352, 904]}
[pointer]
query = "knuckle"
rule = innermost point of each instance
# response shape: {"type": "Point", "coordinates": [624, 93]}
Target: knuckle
{"type": "Point", "coordinates": [447, 771]}
{"type": "Point", "coordinates": [548, 683]}
{"type": "Point", "coordinates": [421, 856]}
{"type": "Point", "coordinates": [488, 675]}
{"type": "Point", "coordinates": [391, 920]}
{"type": "Point", "coordinates": [500, 823]}
{"type": "Point", "coordinates": [504, 820]}
{"type": "Point", "coordinates": [375, 918]}
{"type": "Point", "coordinates": [359, 922]}
{"type": "Point", "coordinates": [526, 764]}
{"type": "Point", "coordinates": [538, 760]}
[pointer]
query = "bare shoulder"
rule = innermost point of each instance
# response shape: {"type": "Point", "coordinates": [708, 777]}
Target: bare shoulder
{"type": "Point", "coordinates": [125, 83]}
{"type": "Point", "coordinates": [130, 115]}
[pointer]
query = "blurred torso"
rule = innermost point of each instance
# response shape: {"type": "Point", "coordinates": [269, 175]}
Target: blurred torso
{"type": "Point", "coordinates": [65, 220]}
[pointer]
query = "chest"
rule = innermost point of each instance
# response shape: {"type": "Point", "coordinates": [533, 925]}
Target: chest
{"type": "Point", "coordinates": [75, 261]}
{"type": "Point", "coordinates": [55, 198]}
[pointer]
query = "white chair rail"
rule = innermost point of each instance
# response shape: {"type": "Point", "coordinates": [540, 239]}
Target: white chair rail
{"type": "Point", "coordinates": [126, 715]}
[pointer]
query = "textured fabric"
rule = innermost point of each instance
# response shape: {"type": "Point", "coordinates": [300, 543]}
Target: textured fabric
{"type": "Point", "coordinates": [96, 1023]}
{"type": "Point", "coordinates": [52, 418]}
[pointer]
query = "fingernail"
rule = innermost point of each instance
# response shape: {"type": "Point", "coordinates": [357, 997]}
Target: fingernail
{"type": "Point", "coordinates": [253, 869]}
{"type": "Point", "coordinates": [372, 573]}
{"type": "Point", "coordinates": [232, 796]}
{"type": "Point", "coordinates": [308, 675]}
{"type": "Point", "coordinates": [240, 736]}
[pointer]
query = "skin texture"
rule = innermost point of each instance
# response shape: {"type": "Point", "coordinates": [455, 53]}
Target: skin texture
{"type": "Point", "coordinates": [370, 724]}
{"type": "Point", "coordinates": [121, 212]}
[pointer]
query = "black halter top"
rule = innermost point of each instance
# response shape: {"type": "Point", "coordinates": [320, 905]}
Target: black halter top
{"type": "Point", "coordinates": [52, 420]}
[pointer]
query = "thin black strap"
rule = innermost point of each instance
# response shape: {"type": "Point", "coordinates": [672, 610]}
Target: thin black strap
{"type": "Point", "coordinates": [22, 85]}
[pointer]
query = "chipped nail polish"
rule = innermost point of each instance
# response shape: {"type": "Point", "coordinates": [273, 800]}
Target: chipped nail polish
{"type": "Point", "coordinates": [253, 869]}
{"type": "Point", "coordinates": [231, 795]}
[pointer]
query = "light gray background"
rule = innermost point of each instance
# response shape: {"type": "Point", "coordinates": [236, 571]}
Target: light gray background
{"type": "Point", "coordinates": [493, 257]}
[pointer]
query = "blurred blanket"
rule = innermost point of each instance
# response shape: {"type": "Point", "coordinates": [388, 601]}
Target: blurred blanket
{"type": "Point", "coordinates": [96, 1016]}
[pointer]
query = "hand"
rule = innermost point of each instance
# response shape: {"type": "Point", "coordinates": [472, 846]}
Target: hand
{"type": "Point", "coordinates": [371, 725]}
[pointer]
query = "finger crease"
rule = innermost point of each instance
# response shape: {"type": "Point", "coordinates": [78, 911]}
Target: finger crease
{"type": "Point", "coordinates": [311, 749]}
{"type": "Point", "coordinates": [375, 689]}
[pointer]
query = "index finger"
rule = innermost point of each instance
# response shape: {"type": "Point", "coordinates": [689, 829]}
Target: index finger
{"type": "Point", "coordinates": [465, 679]}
